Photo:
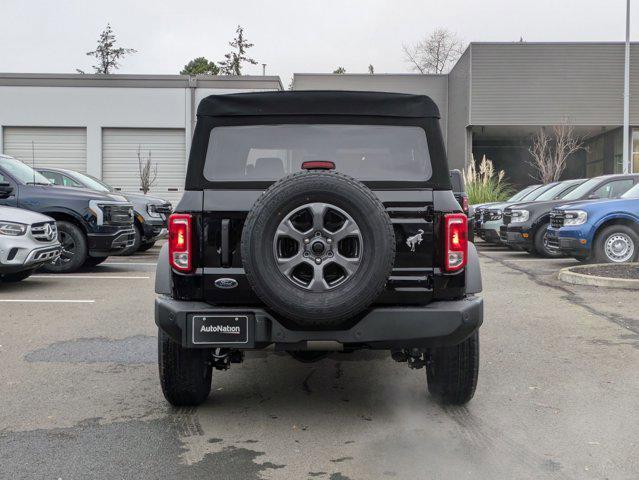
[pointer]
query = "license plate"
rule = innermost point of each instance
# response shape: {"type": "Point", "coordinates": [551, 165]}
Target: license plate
{"type": "Point", "coordinates": [220, 329]}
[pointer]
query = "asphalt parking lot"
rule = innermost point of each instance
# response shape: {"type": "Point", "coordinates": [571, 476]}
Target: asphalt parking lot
{"type": "Point", "coordinates": [557, 394]}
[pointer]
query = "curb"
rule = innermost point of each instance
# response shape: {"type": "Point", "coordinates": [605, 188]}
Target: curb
{"type": "Point", "coordinates": [571, 275]}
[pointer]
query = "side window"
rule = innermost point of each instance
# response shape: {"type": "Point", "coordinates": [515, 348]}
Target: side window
{"type": "Point", "coordinates": [613, 189]}
{"type": "Point", "coordinates": [53, 177]}
{"type": "Point", "coordinates": [567, 191]}
{"type": "Point", "coordinates": [620, 187]}
{"type": "Point", "coordinates": [69, 182]}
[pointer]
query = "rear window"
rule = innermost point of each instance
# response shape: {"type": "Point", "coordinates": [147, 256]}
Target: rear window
{"type": "Point", "coordinates": [269, 152]}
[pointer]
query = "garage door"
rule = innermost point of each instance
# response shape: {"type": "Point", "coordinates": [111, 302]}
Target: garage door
{"type": "Point", "coordinates": [48, 147]}
{"type": "Point", "coordinates": [120, 166]}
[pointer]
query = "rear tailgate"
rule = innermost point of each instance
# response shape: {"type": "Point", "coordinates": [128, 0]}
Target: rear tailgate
{"type": "Point", "coordinates": [220, 230]}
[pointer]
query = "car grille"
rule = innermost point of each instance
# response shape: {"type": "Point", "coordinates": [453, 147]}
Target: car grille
{"type": "Point", "coordinates": [118, 214]}
{"type": "Point", "coordinates": [478, 214]}
{"type": "Point", "coordinates": [552, 243]}
{"type": "Point", "coordinates": [557, 219]}
{"type": "Point", "coordinates": [490, 215]}
{"type": "Point", "coordinates": [164, 209]}
{"type": "Point", "coordinates": [508, 217]}
{"type": "Point", "coordinates": [44, 231]}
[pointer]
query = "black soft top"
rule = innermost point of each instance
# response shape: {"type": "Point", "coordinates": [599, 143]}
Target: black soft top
{"type": "Point", "coordinates": [319, 102]}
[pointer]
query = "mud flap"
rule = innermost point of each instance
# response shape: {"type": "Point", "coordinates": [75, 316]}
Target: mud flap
{"type": "Point", "coordinates": [473, 270]}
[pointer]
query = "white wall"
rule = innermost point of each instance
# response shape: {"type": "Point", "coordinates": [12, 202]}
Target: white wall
{"type": "Point", "coordinates": [101, 107]}
{"type": "Point", "coordinates": [94, 108]}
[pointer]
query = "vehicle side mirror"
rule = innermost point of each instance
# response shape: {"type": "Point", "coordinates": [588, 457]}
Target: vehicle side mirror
{"type": "Point", "coordinates": [593, 196]}
{"type": "Point", "coordinates": [5, 190]}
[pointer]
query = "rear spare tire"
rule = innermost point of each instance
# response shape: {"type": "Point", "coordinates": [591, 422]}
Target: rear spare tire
{"type": "Point", "coordinates": [318, 248]}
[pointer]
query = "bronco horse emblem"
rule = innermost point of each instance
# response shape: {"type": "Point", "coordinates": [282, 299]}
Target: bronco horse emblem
{"type": "Point", "coordinates": [415, 240]}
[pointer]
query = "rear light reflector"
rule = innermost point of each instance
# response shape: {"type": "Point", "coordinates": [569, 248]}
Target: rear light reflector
{"type": "Point", "coordinates": [180, 254]}
{"type": "Point", "coordinates": [456, 241]}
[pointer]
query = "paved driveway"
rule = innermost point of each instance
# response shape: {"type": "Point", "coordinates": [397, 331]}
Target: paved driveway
{"type": "Point", "coordinates": [80, 398]}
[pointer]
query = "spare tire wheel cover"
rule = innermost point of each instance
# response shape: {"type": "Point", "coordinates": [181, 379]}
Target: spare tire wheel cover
{"type": "Point", "coordinates": [318, 248]}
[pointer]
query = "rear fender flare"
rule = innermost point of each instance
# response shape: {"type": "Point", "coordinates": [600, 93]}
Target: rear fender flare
{"type": "Point", "coordinates": [473, 270]}
{"type": "Point", "coordinates": [163, 272]}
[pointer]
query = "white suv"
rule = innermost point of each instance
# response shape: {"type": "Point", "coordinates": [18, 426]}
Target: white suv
{"type": "Point", "coordinates": [28, 240]}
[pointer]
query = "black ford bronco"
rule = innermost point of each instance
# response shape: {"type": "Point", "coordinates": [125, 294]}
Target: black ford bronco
{"type": "Point", "coordinates": [318, 221]}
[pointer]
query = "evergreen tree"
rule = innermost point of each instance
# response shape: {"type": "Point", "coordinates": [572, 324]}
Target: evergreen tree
{"type": "Point", "coordinates": [200, 66]}
{"type": "Point", "coordinates": [234, 60]}
{"type": "Point", "coordinates": [107, 54]}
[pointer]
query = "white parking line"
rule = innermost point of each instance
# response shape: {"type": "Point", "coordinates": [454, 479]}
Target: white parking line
{"type": "Point", "coordinates": [534, 259]}
{"type": "Point", "coordinates": [129, 263]}
{"type": "Point", "coordinates": [44, 301]}
{"type": "Point", "coordinates": [99, 277]}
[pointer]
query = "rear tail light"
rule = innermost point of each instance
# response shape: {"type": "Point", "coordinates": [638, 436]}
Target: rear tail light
{"type": "Point", "coordinates": [456, 239]}
{"type": "Point", "coordinates": [180, 244]}
{"type": "Point", "coordinates": [464, 205]}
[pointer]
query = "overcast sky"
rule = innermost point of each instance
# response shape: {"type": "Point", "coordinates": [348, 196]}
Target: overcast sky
{"type": "Point", "coordinates": [289, 35]}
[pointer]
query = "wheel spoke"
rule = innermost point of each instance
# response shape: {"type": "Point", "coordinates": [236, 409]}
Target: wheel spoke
{"type": "Point", "coordinates": [348, 229]}
{"type": "Point", "coordinates": [318, 284]}
{"type": "Point", "coordinates": [286, 265]}
{"type": "Point", "coordinates": [349, 265]}
{"type": "Point", "coordinates": [287, 229]}
{"type": "Point", "coordinates": [318, 210]}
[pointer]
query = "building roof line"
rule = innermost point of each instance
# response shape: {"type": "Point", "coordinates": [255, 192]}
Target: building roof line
{"type": "Point", "coordinates": [132, 80]}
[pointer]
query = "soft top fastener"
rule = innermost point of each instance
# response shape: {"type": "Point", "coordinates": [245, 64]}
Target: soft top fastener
{"type": "Point", "coordinates": [318, 165]}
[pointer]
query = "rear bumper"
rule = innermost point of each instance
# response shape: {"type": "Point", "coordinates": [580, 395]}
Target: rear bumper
{"type": "Point", "coordinates": [436, 324]}
{"type": "Point", "coordinates": [111, 243]}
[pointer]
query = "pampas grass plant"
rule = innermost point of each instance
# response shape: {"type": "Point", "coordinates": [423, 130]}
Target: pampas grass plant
{"type": "Point", "coordinates": [484, 184]}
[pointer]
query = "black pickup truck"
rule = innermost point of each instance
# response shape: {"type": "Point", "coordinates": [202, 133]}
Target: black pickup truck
{"type": "Point", "coordinates": [313, 222]}
{"type": "Point", "coordinates": [91, 225]}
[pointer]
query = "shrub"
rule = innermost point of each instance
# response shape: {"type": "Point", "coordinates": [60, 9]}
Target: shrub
{"type": "Point", "coordinates": [484, 184]}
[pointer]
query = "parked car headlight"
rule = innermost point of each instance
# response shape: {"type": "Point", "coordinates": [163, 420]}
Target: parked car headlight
{"type": "Point", "coordinates": [575, 217]}
{"type": "Point", "coordinates": [12, 229]}
{"type": "Point", "coordinates": [518, 216]}
{"type": "Point", "coordinates": [151, 208]}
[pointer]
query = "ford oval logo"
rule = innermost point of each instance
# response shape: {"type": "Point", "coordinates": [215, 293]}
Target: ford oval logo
{"type": "Point", "coordinates": [225, 283]}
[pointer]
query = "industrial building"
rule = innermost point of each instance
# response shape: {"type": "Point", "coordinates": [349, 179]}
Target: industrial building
{"type": "Point", "coordinates": [494, 99]}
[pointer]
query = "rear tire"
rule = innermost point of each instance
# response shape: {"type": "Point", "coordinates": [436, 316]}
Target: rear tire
{"type": "Point", "coordinates": [452, 371]}
{"type": "Point", "coordinates": [74, 249]}
{"type": "Point", "coordinates": [15, 277]}
{"type": "Point", "coordinates": [540, 245]}
{"type": "Point", "coordinates": [185, 373]}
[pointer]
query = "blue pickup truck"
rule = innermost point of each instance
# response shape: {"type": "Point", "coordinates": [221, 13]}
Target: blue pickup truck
{"type": "Point", "coordinates": [603, 231]}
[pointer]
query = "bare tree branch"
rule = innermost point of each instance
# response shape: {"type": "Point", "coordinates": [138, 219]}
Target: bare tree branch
{"type": "Point", "coordinates": [410, 57]}
{"type": "Point", "coordinates": [550, 152]}
{"type": "Point", "coordinates": [435, 53]}
{"type": "Point", "coordinates": [148, 172]}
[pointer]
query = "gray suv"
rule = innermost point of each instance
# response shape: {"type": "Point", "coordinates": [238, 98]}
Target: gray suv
{"type": "Point", "coordinates": [28, 240]}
